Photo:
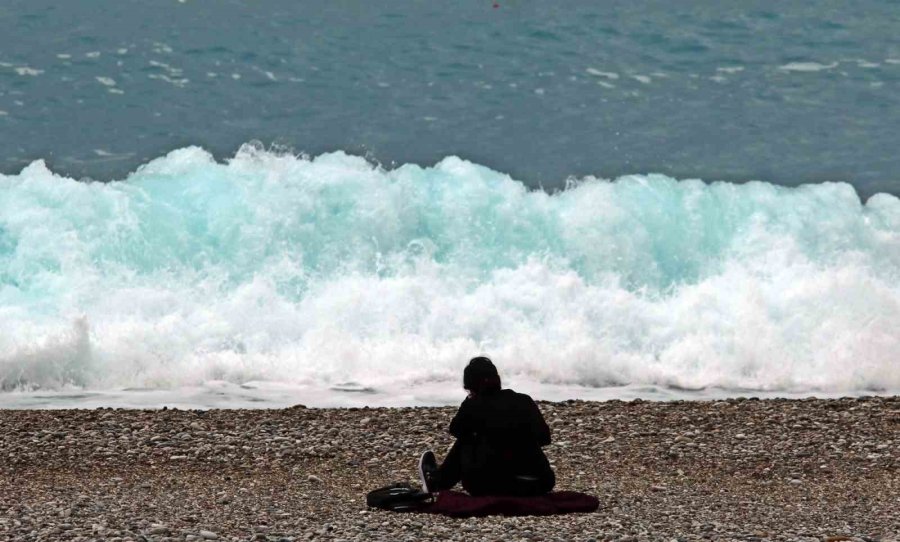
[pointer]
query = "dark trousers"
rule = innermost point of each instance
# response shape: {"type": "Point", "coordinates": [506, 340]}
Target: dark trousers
{"type": "Point", "coordinates": [490, 481]}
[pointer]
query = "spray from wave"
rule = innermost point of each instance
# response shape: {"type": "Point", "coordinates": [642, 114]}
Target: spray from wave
{"type": "Point", "coordinates": [330, 270]}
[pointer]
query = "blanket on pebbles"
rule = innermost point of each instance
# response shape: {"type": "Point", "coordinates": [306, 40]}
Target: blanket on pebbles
{"type": "Point", "coordinates": [462, 505]}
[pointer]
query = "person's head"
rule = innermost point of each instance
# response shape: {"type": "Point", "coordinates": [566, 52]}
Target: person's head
{"type": "Point", "coordinates": [480, 376]}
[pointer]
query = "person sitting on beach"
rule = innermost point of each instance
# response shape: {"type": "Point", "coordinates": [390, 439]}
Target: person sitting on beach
{"type": "Point", "coordinates": [499, 434]}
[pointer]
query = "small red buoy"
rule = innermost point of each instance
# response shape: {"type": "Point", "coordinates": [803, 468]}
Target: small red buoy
{"type": "Point", "coordinates": [496, 5]}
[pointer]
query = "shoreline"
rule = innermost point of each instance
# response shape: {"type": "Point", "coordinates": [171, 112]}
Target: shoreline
{"type": "Point", "coordinates": [733, 469]}
{"type": "Point", "coordinates": [440, 393]}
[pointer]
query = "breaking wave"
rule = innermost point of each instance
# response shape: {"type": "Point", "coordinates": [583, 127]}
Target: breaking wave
{"type": "Point", "coordinates": [331, 270]}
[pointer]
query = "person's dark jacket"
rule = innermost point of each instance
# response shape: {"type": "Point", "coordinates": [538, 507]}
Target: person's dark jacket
{"type": "Point", "coordinates": [502, 434]}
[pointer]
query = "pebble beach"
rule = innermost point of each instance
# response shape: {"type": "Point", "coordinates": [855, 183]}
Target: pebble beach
{"type": "Point", "coordinates": [737, 469]}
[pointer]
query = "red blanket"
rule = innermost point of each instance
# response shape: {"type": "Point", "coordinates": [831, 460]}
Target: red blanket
{"type": "Point", "coordinates": [462, 505]}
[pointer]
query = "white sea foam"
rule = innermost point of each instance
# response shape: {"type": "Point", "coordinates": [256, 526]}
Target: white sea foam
{"type": "Point", "coordinates": [807, 67]}
{"type": "Point", "coordinates": [313, 273]}
{"type": "Point", "coordinates": [178, 82]}
{"type": "Point", "coordinates": [598, 73]}
{"type": "Point", "coordinates": [162, 48]}
{"type": "Point", "coordinates": [26, 70]}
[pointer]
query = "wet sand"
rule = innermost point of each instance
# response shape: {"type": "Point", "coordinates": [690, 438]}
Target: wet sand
{"type": "Point", "coordinates": [746, 470]}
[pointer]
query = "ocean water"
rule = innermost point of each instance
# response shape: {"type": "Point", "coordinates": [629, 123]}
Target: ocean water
{"type": "Point", "coordinates": [340, 204]}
